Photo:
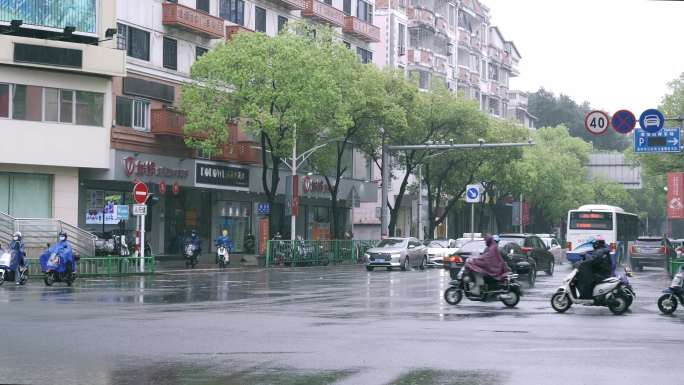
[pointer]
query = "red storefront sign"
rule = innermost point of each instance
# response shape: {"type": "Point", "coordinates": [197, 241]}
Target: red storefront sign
{"type": "Point", "coordinates": [263, 235]}
{"type": "Point", "coordinates": [675, 190]}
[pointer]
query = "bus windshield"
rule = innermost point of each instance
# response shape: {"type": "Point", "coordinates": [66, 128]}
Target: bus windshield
{"type": "Point", "coordinates": [580, 220]}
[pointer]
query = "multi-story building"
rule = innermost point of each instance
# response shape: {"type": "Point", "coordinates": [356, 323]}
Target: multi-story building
{"type": "Point", "coordinates": [57, 64]}
{"type": "Point", "coordinates": [161, 41]}
{"type": "Point", "coordinates": [517, 109]}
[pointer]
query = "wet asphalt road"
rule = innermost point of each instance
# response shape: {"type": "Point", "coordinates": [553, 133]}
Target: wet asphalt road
{"type": "Point", "coordinates": [331, 325]}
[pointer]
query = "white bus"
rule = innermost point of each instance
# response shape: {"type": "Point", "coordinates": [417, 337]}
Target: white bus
{"type": "Point", "coordinates": [612, 223]}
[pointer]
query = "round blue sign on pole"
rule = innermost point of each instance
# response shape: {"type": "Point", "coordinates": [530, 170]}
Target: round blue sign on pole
{"type": "Point", "coordinates": [651, 120]}
{"type": "Point", "coordinates": [623, 121]}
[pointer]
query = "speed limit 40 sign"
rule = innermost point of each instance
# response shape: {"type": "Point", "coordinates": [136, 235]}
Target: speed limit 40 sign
{"type": "Point", "coordinates": [596, 122]}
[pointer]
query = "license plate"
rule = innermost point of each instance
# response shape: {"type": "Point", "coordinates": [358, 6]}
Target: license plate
{"type": "Point", "coordinates": [379, 260]}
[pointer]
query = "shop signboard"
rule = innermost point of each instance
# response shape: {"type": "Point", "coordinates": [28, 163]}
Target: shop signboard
{"type": "Point", "coordinates": [219, 176]}
{"type": "Point", "coordinates": [121, 212]}
{"type": "Point", "coordinates": [102, 205]}
{"type": "Point", "coordinates": [150, 168]}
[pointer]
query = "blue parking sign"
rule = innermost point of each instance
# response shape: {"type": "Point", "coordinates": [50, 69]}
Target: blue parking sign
{"type": "Point", "coordinates": [651, 120]}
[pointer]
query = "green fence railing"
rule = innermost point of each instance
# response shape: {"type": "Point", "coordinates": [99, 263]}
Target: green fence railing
{"type": "Point", "coordinates": [103, 266]}
{"type": "Point", "coordinates": [320, 252]}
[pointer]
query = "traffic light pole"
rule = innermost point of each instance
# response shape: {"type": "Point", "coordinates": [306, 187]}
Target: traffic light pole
{"type": "Point", "coordinates": [384, 208]}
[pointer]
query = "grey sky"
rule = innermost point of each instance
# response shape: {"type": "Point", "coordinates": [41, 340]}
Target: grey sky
{"type": "Point", "coordinates": [614, 53]}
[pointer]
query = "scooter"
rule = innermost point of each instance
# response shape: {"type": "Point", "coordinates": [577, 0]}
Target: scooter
{"type": "Point", "coordinates": [190, 256]}
{"type": "Point", "coordinates": [508, 291]}
{"type": "Point", "coordinates": [54, 267]}
{"type": "Point", "coordinates": [613, 292]}
{"type": "Point", "coordinates": [223, 256]}
{"type": "Point", "coordinates": [6, 271]}
{"type": "Point", "coordinates": [667, 303]}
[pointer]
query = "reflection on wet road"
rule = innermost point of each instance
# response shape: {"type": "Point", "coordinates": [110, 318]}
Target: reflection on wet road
{"type": "Point", "coordinates": [331, 325]}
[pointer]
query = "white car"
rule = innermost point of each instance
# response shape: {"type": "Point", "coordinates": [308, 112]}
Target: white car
{"type": "Point", "coordinates": [438, 249]}
{"type": "Point", "coordinates": [554, 247]}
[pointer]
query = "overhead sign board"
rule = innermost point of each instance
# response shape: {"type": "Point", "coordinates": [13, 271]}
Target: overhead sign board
{"type": "Point", "coordinates": [473, 193]}
{"type": "Point", "coordinates": [651, 120]}
{"type": "Point", "coordinates": [596, 122]}
{"type": "Point", "coordinates": [665, 140]}
{"type": "Point", "coordinates": [623, 121]}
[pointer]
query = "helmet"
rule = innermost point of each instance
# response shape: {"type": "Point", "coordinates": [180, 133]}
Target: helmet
{"type": "Point", "coordinates": [62, 236]}
{"type": "Point", "coordinates": [496, 238]}
{"type": "Point", "coordinates": [17, 236]}
{"type": "Point", "coordinates": [598, 242]}
{"type": "Point", "coordinates": [225, 232]}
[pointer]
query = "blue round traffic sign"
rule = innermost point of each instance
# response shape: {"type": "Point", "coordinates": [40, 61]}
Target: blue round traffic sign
{"type": "Point", "coordinates": [623, 121]}
{"type": "Point", "coordinates": [473, 193]}
{"type": "Point", "coordinates": [651, 120]}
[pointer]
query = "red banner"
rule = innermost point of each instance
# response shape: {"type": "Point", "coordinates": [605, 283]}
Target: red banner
{"type": "Point", "coordinates": [263, 235]}
{"type": "Point", "coordinates": [525, 213]}
{"type": "Point", "coordinates": [675, 190]}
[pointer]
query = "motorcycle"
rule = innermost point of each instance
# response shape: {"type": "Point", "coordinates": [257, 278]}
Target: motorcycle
{"type": "Point", "coordinates": [190, 255]}
{"type": "Point", "coordinates": [508, 291]}
{"type": "Point", "coordinates": [614, 292]}
{"type": "Point", "coordinates": [54, 267]}
{"type": "Point", "coordinates": [223, 256]}
{"type": "Point", "coordinates": [6, 271]}
{"type": "Point", "coordinates": [667, 303]}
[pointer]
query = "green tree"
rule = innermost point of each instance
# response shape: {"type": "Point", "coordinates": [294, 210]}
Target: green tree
{"type": "Point", "coordinates": [280, 87]}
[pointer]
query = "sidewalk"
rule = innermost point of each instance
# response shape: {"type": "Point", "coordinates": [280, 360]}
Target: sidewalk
{"type": "Point", "coordinates": [206, 261]}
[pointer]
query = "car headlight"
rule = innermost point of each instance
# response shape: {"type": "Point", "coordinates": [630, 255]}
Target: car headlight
{"type": "Point", "coordinates": [367, 256]}
{"type": "Point", "coordinates": [396, 256]}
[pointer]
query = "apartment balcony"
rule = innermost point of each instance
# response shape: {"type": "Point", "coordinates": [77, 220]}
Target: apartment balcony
{"type": "Point", "coordinates": [323, 12]}
{"type": "Point", "coordinates": [463, 74]}
{"type": "Point", "coordinates": [291, 4]}
{"type": "Point", "coordinates": [493, 89]}
{"type": "Point", "coordinates": [507, 60]}
{"type": "Point", "coordinates": [476, 43]}
{"type": "Point", "coordinates": [180, 16]}
{"type": "Point", "coordinates": [420, 16]}
{"type": "Point", "coordinates": [440, 65]}
{"type": "Point", "coordinates": [361, 29]}
{"type": "Point", "coordinates": [442, 24]}
{"type": "Point", "coordinates": [420, 57]}
{"type": "Point", "coordinates": [475, 79]}
{"type": "Point", "coordinates": [231, 30]}
{"type": "Point", "coordinates": [238, 152]}
{"type": "Point", "coordinates": [495, 54]}
{"type": "Point", "coordinates": [463, 39]}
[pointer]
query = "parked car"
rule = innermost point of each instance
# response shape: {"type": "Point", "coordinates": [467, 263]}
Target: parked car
{"type": "Point", "coordinates": [554, 247]}
{"type": "Point", "coordinates": [532, 246]}
{"type": "Point", "coordinates": [403, 253]}
{"type": "Point", "coordinates": [651, 251]}
{"type": "Point", "coordinates": [455, 262]}
{"type": "Point", "coordinates": [437, 249]}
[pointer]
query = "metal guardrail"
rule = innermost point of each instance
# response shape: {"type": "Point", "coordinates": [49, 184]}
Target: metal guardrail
{"type": "Point", "coordinates": [318, 252]}
{"type": "Point", "coordinates": [102, 266]}
{"type": "Point", "coordinates": [38, 232]}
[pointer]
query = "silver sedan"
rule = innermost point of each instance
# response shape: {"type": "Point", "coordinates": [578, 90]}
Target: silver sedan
{"type": "Point", "coordinates": [403, 253]}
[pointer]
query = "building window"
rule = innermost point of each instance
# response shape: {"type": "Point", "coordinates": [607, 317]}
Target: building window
{"type": "Point", "coordinates": [133, 113]}
{"type": "Point", "coordinates": [170, 54]}
{"type": "Point", "coordinates": [493, 72]}
{"type": "Point", "coordinates": [203, 5]}
{"type": "Point", "coordinates": [365, 55]}
{"type": "Point", "coordinates": [329, 2]}
{"type": "Point", "coordinates": [346, 7]}
{"type": "Point", "coordinates": [4, 101]}
{"type": "Point", "coordinates": [58, 105]}
{"type": "Point", "coordinates": [401, 46]}
{"type": "Point", "coordinates": [259, 19]}
{"type": "Point", "coordinates": [121, 36]}
{"type": "Point", "coordinates": [138, 43]}
{"type": "Point", "coordinates": [27, 102]}
{"type": "Point", "coordinates": [233, 10]}
{"type": "Point", "coordinates": [364, 11]}
{"type": "Point", "coordinates": [282, 23]}
{"type": "Point", "coordinates": [452, 16]}
{"type": "Point", "coordinates": [199, 51]}
{"type": "Point", "coordinates": [89, 108]}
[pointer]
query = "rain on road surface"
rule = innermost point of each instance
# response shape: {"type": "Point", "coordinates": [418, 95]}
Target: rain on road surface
{"type": "Point", "coordinates": [325, 325]}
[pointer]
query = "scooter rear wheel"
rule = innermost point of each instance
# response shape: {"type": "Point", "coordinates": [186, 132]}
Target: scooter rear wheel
{"type": "Point", "coordinates": [512, 299]}
{"type": "Point", "coordinates": [560, 302]}
{"type": "Point", "coordinates": [667, 303]}
{"type": "Point", "coordinates": [49, 279]}
{"type": "Point", "coordinates": [619, 304]}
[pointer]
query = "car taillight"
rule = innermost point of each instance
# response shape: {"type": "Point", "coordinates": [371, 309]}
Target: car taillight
{"type": "Point", "coordinates": [663, 249]}
{"type": "Point", "coordinates": [613, 246]}
{"type": "Point", "coordinates": [632, 249]}
{"type": "Point", "coordinates": [526, 249]}
{"type": "Point", "coordinates": [569, 245]}
{"type": "Point", "coordinates": [453, 258]}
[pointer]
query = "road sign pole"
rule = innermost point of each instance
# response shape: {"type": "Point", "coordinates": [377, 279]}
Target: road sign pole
{"type": "Point", "coordinates": [142, 243]}
{"type": "Point", "coordinates": [472, 221]}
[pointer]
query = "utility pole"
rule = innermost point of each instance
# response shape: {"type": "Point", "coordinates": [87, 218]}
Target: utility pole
{"type": "Point", "coordinates": [384, 230]}
{"type": "Point", "coordinates": [293, 168]}
{"type": "Point", "coordinates": [420, 200]}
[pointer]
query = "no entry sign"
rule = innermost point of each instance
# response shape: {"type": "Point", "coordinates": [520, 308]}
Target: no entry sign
{"type": "Point", "coordinates": [596, 122]}
{"type": "Point", "coordinates": [140, 192]}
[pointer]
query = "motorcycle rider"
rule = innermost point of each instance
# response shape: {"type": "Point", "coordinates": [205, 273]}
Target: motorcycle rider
{"type": "Point", "coordinates": [17, 246]}
{"type": "Point", "coordinates": [194, 240]}
{"type": "Point", "coordinates": [63, 247]}
{"type": "Point", "coordinates": [224, 241]}
{"type": "Point", "coordinates": [592, 271]}
{"type": "Point", "coordinates": [489, 263]}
